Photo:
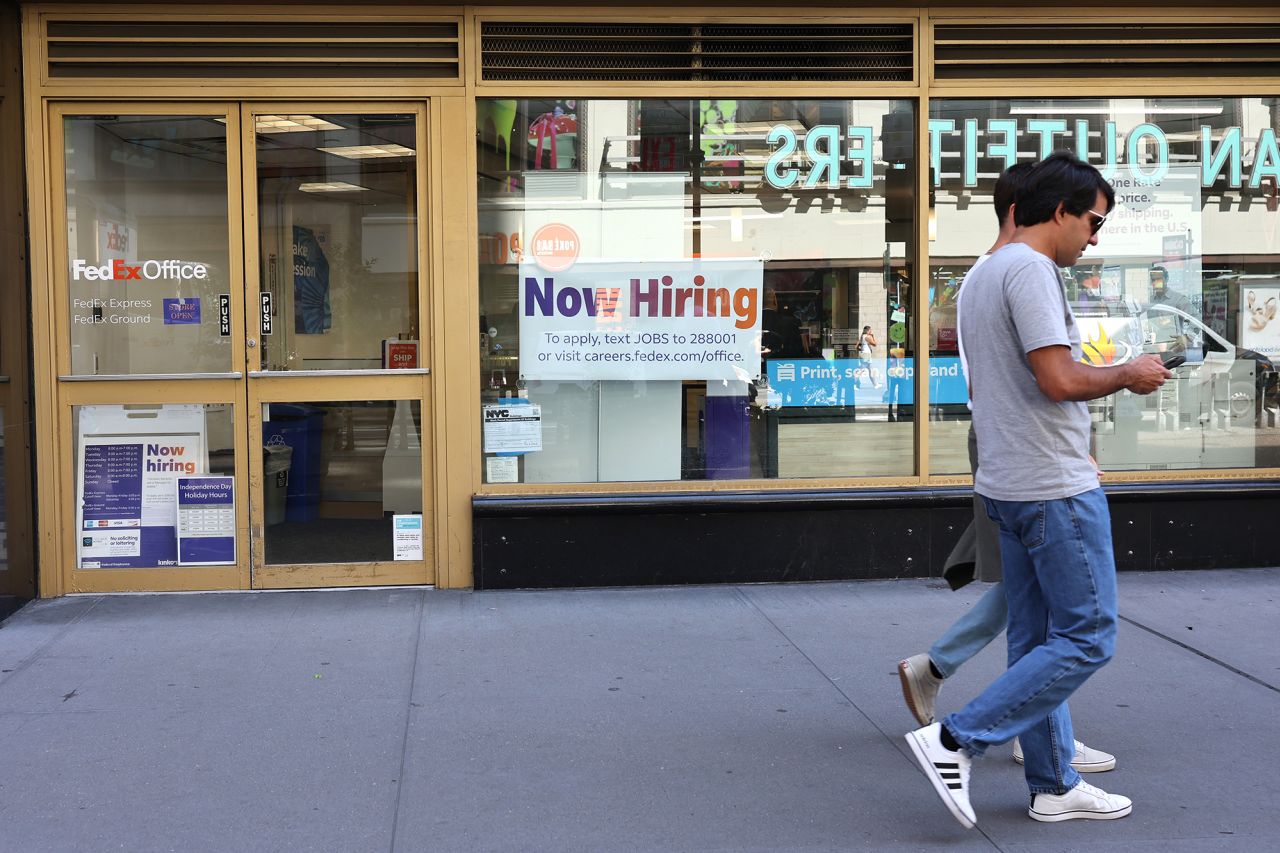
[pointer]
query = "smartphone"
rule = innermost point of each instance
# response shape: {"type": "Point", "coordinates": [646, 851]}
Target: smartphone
{"type": "Point", "coordinates": [1173, 361]}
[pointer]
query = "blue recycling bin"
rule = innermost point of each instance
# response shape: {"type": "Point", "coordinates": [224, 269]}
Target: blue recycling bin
{"type": "Point", "coordinates": [301, 428]}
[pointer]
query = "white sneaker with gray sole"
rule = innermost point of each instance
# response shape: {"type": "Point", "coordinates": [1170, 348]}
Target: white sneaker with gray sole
{"type": "Point", "coordinates": [1086, 760]}
{"type": "Point", "coordinates": [1083, 802]}
{"type": "Point", "coordinates": [919, 687]}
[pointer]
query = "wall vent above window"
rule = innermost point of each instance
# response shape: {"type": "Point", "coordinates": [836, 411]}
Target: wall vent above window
{"type": "Point", "coordinates": [967, 52]}
{"type": "Point", "coordinates": [195, 49]}
{"type": "Point", "coordinates": [721, 53]}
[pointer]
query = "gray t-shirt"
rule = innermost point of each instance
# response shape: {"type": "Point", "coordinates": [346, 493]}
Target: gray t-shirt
{"type": "Point", "coordinates": [1029, 447]}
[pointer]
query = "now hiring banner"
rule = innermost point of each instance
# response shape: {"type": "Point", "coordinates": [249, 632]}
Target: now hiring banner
{"type": "Point", "coordinates": [642, 320]}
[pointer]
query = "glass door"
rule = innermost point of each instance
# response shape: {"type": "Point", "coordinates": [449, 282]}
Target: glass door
{"type": "Point", "coordinates": [241, 374]}
{"type": "Point", "coordinates": [149, 355]}
{"type": "Point", "coordinates": [336, 369]}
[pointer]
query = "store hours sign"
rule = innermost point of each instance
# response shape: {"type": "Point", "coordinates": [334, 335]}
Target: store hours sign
{"type": "Point", "coordinates": [642, 320]}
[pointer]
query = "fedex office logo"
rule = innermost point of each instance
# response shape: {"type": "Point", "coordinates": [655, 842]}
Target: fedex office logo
{"type": "Point", "coordinates": [120, 270]}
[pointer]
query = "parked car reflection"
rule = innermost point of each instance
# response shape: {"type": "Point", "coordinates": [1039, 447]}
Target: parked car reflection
{"type": "Point", "coordinates": [1245, 380]}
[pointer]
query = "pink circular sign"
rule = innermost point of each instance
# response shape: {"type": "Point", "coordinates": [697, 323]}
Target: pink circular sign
{"type": "Point", "coordinates": [554, 247]}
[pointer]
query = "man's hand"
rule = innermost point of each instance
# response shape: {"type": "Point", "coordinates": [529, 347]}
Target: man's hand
{"type": "Point", "coordinates": [1060, 378]}
{"type": "Point", "coordinates": [1145, 374]}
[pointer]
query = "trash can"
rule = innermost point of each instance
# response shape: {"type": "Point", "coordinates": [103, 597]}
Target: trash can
{"type": "Point", "coordinates": [300, 427]}
{"type": "Point", "coordinates": [276, 459]}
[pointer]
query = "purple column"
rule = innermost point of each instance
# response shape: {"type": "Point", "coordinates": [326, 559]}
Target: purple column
{"type": "Point", "coordinates": [727, 431]}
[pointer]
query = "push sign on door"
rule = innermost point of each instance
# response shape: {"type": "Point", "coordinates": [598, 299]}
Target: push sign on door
{"type": "Point", "coordinates": [265, 297]}
{"type": "Point", "coordinates": [224, 314]}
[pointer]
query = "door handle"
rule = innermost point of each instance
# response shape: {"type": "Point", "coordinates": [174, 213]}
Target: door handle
{"type": "Point", "coordinates": [250, 343]}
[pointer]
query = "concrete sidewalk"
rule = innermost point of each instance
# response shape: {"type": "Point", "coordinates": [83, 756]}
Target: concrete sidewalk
{"type": "Point", "coordinates": [696, 718]}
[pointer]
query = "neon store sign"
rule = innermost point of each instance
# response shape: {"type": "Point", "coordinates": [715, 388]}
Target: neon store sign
{"type": "Point", "coordinates": [815, 161]}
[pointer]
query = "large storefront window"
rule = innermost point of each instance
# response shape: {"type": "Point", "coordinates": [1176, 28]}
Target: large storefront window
{"type": "Point", "coordinates": [1188, 264]}
{"type": "Point", "coordinates": [695, 289]}
{"type": "Point", "coordinates": [148, 258]}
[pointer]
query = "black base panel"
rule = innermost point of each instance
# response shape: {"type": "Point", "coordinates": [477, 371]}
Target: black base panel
{"type": "Point", "coordinates": [637, 540]}
{"type": "Point", "coordinates": [9, 605]}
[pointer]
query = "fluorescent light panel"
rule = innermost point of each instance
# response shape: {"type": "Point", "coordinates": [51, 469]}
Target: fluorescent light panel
{"type": "Point", "coordinates": [366, 152]}
{"type": "Point", "coordinates": [331, 187]}
{"type": "Point", "coordinates": [293, 124]}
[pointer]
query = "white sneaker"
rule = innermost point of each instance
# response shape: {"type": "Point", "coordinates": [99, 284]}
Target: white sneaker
{"type": "Point", "coordinates": [1082, 801]}
{"type": "Point", "coordinates": [947, 770]}
{"type": "Point", "coordinates": [1086, 760]}
{"type": "Point", "coordinates": [919, 687]}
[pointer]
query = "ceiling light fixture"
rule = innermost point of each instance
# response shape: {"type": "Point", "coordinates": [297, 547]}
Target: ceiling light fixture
{"type": "Point", "coordinates": [331, 187]}
{"type": "Point", "coordinates": [365, 152]}
{"type": "Point", "coordinates": [293, 124]}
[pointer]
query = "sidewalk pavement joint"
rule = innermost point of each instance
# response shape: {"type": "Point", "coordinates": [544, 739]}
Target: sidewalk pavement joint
{"type": "Point", "coordinates": [1240, 672]}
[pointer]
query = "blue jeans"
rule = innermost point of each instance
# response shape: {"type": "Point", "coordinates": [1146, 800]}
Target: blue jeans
{"type": "Point", "coordinates": [970, 634]}
{"type": "Point", "coordinates": [1060, 585]}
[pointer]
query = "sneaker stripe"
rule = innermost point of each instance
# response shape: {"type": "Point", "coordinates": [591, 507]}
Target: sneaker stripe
{"type": "Point", "coordinates": [955, 786]}
{"type": "Point", "coordinates": [947, 765]}
{"type": "Point", "coordinates": [950, 774]}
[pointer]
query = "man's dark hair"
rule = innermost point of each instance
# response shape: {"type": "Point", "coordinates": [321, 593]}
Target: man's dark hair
{"type": "Point", "coordinates": [1007, 185]}
{"type": "Point", "coordinates": [1060, 179]}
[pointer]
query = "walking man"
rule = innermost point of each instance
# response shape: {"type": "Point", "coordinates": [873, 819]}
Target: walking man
{"type": "Point", "coordinates": [977, 553]}
{"type": "Point", "coordinates": [1035, 475]}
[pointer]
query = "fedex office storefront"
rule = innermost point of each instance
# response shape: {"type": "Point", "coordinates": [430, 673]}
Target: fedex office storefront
{"type": "Point", "coordinates": [670, 302]}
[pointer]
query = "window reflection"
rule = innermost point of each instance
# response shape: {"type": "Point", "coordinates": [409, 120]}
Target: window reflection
{"type": "Point", "coordinates": [1184, 266]}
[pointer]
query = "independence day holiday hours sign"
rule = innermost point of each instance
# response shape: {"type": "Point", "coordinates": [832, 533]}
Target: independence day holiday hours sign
{"type": "Point", "coordinates": [634, 320]}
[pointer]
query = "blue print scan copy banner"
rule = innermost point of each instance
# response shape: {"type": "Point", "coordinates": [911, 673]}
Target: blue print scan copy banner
{"type": "Point", "coordinates": [642, 320]}
{"type": "Point", "coordinates": [853, 382]}
{"type": "Point", "coordinates": [128, 460]}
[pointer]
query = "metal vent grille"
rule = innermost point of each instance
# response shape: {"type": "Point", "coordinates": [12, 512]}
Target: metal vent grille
{"type": "Point", "coordinates": [198, 49]}
{"type": "Point", "coordinates": [1097, 51]}
{"type": "Point", "coordinates": [722, 53]}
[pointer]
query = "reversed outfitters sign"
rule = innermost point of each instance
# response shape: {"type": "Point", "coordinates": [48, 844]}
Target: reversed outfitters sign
{"type": "Point", "coordinates": [814, 159]}
{"type": "Point", "coordinates": [641, 320]}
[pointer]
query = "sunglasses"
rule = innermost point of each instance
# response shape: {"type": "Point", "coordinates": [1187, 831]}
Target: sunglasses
{"type": "Point", "coordinates": [1097, 223]}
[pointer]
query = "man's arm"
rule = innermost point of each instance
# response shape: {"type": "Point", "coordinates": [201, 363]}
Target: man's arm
{"type": "Point", "coordinates": [1061, 378]}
